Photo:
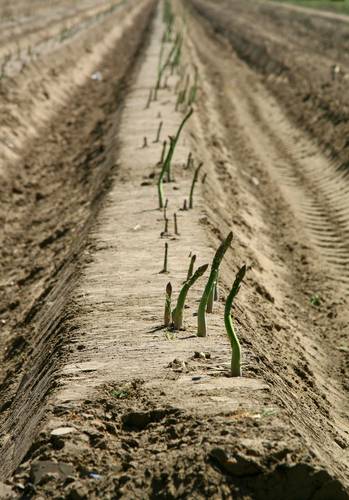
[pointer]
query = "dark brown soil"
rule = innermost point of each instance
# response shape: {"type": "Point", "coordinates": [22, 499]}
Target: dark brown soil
{"type": "Point", "coordinates": [128, 444]}
{"type": "Point", "coordinates": [47, 201]}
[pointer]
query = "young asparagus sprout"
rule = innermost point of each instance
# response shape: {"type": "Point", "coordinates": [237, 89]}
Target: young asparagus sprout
{"type": "Point", "coordinates": [216, 290]}
{"type": "Point", "coordinates": [209, 307]}
{"type": "Point", "coordinates": [191, 266]}
{"type": "Point", "coordinates": [165, 231]}
{"type": "Point", "coordinates": [217, 259]}
{"type": "Point", "coordinates": [162, 174]}
{"type": "Point", "coordinates": [177, 313]}
{"type": "Point", "coordinates": [165, 270]}
{"type": "Point", "coordinates": [163, 151]}
{"type": "Point", "coordinates": [168, 313]}
{"type": "Point", "coordinates": [175, 224]}
{"type": "Point", "coordinates": [165, 209]}
{"type": "Point", "coordinates": [167, 163]}
{"type": "Point", "coordinates": [150, 98]}
{"type": "Point", "coordinates": [234, 341]}
{"type": "Point", "coordinates": [178, 52]}
{"type": "Point", "coordinates": [163, 67]}
{"type": "Point", "coordinates": [185, 119]}
{"type": "Point", "coordinates": [145, 142]}
{"type": "Point", "coordinates": [188, 160]}
{"type": "Point", "coordinates": [185, 207]}
{"type": "Point", "coordinates": [195, 178]}
{"type": "Point", "coordinates": [213, 296]}
{"type": "Point", "coordinates": [203, 180]}
{"type": "Point", "coordinates": [158, 133]}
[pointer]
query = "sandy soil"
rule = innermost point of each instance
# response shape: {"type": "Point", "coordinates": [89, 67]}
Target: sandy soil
{"type": "Point", "coordinates": [99, 400]}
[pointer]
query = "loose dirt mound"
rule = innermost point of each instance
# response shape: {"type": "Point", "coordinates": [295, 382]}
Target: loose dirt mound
{"type": "Point", "coordinates": [49, 197]}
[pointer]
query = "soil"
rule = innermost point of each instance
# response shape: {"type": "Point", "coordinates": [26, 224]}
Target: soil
{"type": "Point", "coordinates": [98, 398]}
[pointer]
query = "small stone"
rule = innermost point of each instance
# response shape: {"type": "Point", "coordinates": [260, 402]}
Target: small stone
{"type": "Point", "coordinates": [63, 431]}
{"type": "Point", "coordinates": [93, 475]}
{"type": "Point", "coordinates": [237, 465]}
{"type": "Point", "coordinates": [45, 468]}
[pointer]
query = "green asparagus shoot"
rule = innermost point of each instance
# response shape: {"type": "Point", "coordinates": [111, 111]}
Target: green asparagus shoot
{"type": "Point", "coordinates": [175, 224]}
{"type": "Point", "coordinates": [162, 174]}
{"type": "Point", "coordinates": [185, 119]}
{"type": "Point", "coordinates": [234, 341]}
{"type": "Point", "coordinates": [165, 270]}
{"type": "Point", "coordinates": [213, 296]}
{"type": "Point", "coordinates": [166, 63]}
{"type": "Point", "coordinates": [157, 139]}
{"type": "Point", "coordinates": [166, 167]}
{"type": "Point", "coordinates": [188, 164]}
{"type": "Point", "coordinates": [163, 151]}
{"type": "Point", "coordinates": [217, 259]}
{"type": "Point", "coordinates": [177, 313]}
{"type": "Point", "coordinates": [150, 98]}
{"type": "Point", "coordinates": [191, 267]}
{"type": "Point", "coordinates": [216, 290]}
{"type": "Point", "coordinates": [195, 178]}
{"type": "Point", "coordinates": [168, 313]}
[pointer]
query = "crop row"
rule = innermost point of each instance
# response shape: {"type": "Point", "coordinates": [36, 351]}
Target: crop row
{"type": "Point", "coordinates": [186, 90]}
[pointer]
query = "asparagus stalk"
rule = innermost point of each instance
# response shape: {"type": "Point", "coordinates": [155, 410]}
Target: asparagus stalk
{"type": "Point", "coordinates": [168, 315]}
{"type": "Point", "coordinates": [165, 270]}
{"type": "Point", "coordinates": [217, 259]}
{"type": "Point", "coordinates": [158, 133]}
{"type": "Point", "coordinates": [195, 178]}
{"type": "Point", "coordinates": [166, 167]}
{"type": "Point", "coordinates": [185, 119]}
{"type": "Point", "coordinates": [175, 224]}
{"type": "Point", "coordinates": [162, 174]}
{"type": "Point", "coordinates": [191, 267]}
{"type": "Point", "coordinates": [213, 296]}
{"type": "Point", "coordinates": [177, 313]}
{"type": "Point", "coordinates": [150, 98]}
{"type": "Point", "coordinates": [216, 291]}
{"type": "Point", "coordinates": [229, 326]}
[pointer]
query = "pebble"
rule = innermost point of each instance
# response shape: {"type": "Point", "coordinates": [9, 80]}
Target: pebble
{"type": "Point", "coordinates": [63, 431]}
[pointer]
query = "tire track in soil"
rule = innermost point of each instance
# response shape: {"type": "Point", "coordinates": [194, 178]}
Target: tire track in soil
{"type": "Point", "coordinates": [263, 143]}
{"type": "Point", "coordinates": [316, 189]}
{"type": "Point", "coordinates": [318, 193]}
